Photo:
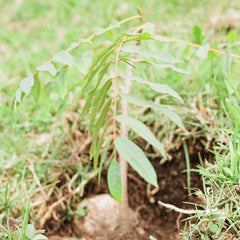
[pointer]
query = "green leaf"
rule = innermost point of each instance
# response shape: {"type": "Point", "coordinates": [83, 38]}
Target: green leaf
{"type": "Point", "coordinates": [232, 36]}
{"type": "Point", "coordinates": [30, 231]}
{"type": "Point", "coordinates": [114, 180]}
{"type": "Point", "coordinates": [36, 89]}
{"type": "Point", "coordinates": [44, 91]}
{"type": "Point", "coordinates": [18, 96]}
{"type": "Point", "coordinates": [103, 157]}
{"type": "Point", "coordinates": [99, 101]}
{"type": "Point", "coordinates": [98, 63]}
{"type": "Point", "coordinates": [137, 159]}
{"type": "Point", "coordinates": [88, 101]}
{"type": "Point", "coordinates": [138, 37]}
{"type": "Point", "coordinates": [81, 41]}
{"type": "Point", "coordinates": [91, 93]}
{"type": "Point", "coordinates": [233, 110]}
{"type": "Point", "coordinates": [99, 124]}
{"type": "Point", "coordinates": [143, 131]}
{"type": "Point", "coordinates": [146, 61]}
{"type": "Point", "coordinates": [65, 58]}
{"type": "Point", "coordinates": [160, 56]}
{"type": "Point", "coordinates": [100, 31]}
{"type": "Point", "coordinates": [40, 237]}
{"type": "Point", "coordinates": [198, 34]}
{"type": "Point", "coordinates": [214, 228]}
{"type": "Point", "coordinates": [160, 38]}
{"type": "Point", "coordinates": [113, 24]}
{"type": "Point", "coordinates": [144, 26]}
{"type": "Point", "coordinates": [202, 52]}
{"type": "Point", "coordinates": [25, 87]}
{"type": "Point", "coordinates": [84, 62]}
{"type": "Point", "coordinates": [152, 238]}
{"type": "Point", "coordinates": [161, 88]}
{"type": "Point", "coordinates": [60, 84]}
{"type": "Point", "coordinates": [144, 103]}
{"type": "Point", "coordinates": [47, 67]}
{"type": "Point", "coordinates": [99, 145]}
{"type": "Point", "coordinates": [26, 84]}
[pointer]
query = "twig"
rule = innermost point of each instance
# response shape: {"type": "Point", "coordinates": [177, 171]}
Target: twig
{"type": "Point", "coordinates": [176, 209]}
{"type": "Point", "coordinates": [95, 35]}
{"type": "Point", "coordinates": [116, 88]}
{"type": "Point", "coordinates": [32, 169]}
{"type": "Point", "coordinates": [198, 46]}
{"type": "Point", "coordinates": [50, 209]}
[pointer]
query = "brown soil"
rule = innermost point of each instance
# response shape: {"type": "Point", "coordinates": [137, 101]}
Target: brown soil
{"type": "Point", "coordinates": [154, 220]}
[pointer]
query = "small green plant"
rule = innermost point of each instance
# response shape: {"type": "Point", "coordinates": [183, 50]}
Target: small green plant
{"type": "Point", "coordinates": [22, 231]}
{"type": "Point", "coordinates": [106, 84]}
{"type": "Point", "coordinates": [29, 233]}
{"type": "Point", "coordinates": [221, 187]}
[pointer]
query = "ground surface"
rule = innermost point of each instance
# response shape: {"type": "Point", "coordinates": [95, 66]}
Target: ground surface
{"type": "Point", "coordinates": [154, 220]}
{"type": "Point", "coordinates": [33, 31]}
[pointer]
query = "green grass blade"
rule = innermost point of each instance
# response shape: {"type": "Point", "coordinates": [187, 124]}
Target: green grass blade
{"type": "Point", "coordinates": [188, 168]}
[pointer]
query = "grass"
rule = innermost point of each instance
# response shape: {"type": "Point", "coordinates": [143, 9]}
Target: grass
{"type": "Point", "coordinates": [33, 31]}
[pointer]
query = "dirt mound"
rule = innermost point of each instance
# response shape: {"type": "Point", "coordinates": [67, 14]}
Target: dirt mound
{"type": "Point", "coordinates": [153, 219]}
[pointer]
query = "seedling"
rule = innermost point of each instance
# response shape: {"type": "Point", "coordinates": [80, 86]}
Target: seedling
{"type": "Point", "coordinates": [105, 85]}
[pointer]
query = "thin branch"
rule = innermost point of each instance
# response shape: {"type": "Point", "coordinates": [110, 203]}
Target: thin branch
{"type": "Point", "coordinates": [32, 169]}
{"type": "Point", "coordinates": [79, 189]}
{"type": "Point", "coordinates": [198, 46]}
{"type": "Point", "coordinates": [116, 88]}
{"type": "Point", "coordinates": [176, 209]}
{"type": "Point", "coordinates": [95, 35]}
{"type": "Point", "coordinates": [221, 213]}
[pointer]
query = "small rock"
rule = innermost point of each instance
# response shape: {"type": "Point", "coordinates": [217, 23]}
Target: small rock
{"type": "Point", "coordinates": [102, 217]}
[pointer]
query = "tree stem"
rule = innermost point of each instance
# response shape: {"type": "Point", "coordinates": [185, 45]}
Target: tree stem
{"type": "Point", "coordinates": [124, 209]}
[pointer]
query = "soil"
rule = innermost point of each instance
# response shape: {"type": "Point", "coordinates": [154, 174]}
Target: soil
{"type": "Point", "coordinates": [154, 220]}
